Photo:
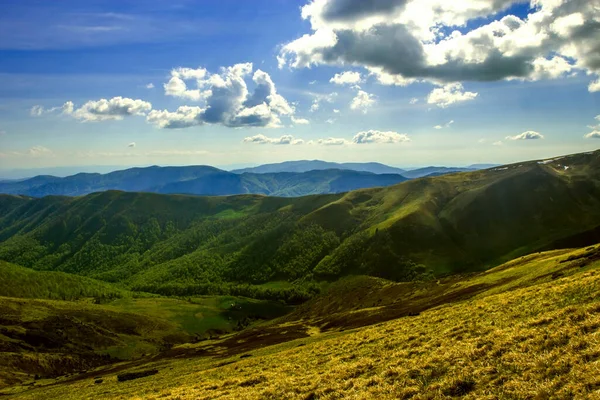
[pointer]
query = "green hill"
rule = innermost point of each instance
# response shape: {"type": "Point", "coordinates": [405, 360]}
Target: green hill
{"type": "Point", "coordinates": [186, 245]}
{"type": "Point", "coordinates": [26, 283]}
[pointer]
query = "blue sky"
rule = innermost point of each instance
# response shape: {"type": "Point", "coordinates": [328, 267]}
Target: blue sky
{"type": "Point", "coordinates": [470, 97]}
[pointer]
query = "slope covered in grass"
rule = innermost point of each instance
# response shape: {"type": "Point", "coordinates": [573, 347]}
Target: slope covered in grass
{"type": "Point", "coordinates": [53, 338]}
{"type": "Point", "coordinates": [531, 332]}
{"type": "Point", "coordinates": [186, 245]}
{"type": "Point", "coordinates": [26, 283]}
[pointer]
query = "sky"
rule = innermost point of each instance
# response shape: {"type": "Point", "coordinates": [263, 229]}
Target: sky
{"type": "Point", "coordinates": [234, 83]}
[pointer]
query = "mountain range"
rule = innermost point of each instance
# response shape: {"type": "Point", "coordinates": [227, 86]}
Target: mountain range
{"type": "Point", "coordinates": [373, 167]}
{"type": "Point", "coordinates": [288, 179]}
{"type": "Point", "coordinates": [201, 180]}
{"type": "Point", "coordinates": [438, 225]}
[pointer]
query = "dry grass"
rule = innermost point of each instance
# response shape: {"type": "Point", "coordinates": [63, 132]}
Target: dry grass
{"type": "Point", "coordinates": [536, 342]}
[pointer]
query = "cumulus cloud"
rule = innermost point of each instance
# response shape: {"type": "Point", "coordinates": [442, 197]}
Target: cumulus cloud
{"type": "Point", "coordinates": [594, 86]}
{"type": "Point", "coordinates": [224, 97]}
{"type": "Point", "coordinates": [346, 78]}
{"type": "Point", "coordinates": [114, 109]}
{"type": "Point", "coordinates": [414, 100]}
{"type": "Point", "coordinates": [132, 144]}
{"type": "Point", "coordinates": [150, 86]}
{"type": "Point", "coordinates": [262, 139]}
{"type": "Point", "coordinates": [449, 94]}
{"type": "Point", "coordinates": [528, 135]}
{"type": "Point", "coordinates": [362, 101]}
{"type": "Point", "coordinates": [300, 121]}
{"type": "Point", "coordinates": [446, 125]}
{"type": "Point", "coordinates": [403, 41]}
{"type": "Point", "coordinates": [373, 136]}
{"type": "Point", "coordinates": [593, 135]}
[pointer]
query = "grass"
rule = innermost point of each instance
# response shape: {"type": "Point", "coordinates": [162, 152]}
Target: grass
{"type": "Point", "coordinates": [531, 333]}
{"type": "Point", "coordinates": [37, 336]}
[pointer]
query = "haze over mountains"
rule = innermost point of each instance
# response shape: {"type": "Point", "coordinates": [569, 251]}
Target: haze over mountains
{"type": "Point", "coordinates": [288, 179]}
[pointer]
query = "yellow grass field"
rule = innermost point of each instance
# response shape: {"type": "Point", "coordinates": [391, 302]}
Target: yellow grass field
{"type": "Point", "coordinates": [537, 337]}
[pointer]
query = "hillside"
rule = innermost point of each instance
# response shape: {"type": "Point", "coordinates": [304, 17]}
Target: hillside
{"type": "Point", "coordinates": [200, 180]}
{"type": "Point", "coordinates": [26, 283]}
{"type": "Point", "coordinates": [186, 245]}
{"type": "Point", "coordinates": [526, 329]}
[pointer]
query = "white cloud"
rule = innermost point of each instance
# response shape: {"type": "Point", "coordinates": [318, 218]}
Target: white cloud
{"type": "Point", "coordinates": [38, 151]}
{"type": "Point", "coordinates": [554, 68]}
{"type": "Point", "coordinates": [330, 121]}
{"type": "Point", "coordinates": [373, 136]}
{"type": "Point", "coordinates": [68, 108]}
{"type": "Point", "coordinates": [446, 125]}
{"type": "Point", "coordinates": [498, 143]}
{"type": "Point", "coordinates": [300, 121]}
{"type": "Point", "coordinates": [224, 99]}
{"type": "Point", "coordinates": [108, 110]}
{"type": "Point", "coordinates": [594, 86]}
{"type": "Point", "coordinates": [528, 135]}
{"type": "Point", "coordinates": [332, 142]}
{"type": "Point", "coordinates": [312, 82]}
{"type": "Point", "coordinates": [183, 117]}
{"type": "Point", "coordinates": [36, 111]}
{"type": "Point", "coordinates": [362, 101]}
{"type": "Point", "coordinates": [449, 94]}
{"type": "Point", "coordinates": [319, 98]}
{"type": "Point", "coordinates": [132, 144]}
{"type": "Point", "coordinates": [346, 78]}
{"type": "Point", "coordinates": [336, 111]}
{"type": "Point", "coordinates": [262, 139]}
{"type": "Point", "coordinates": [593, 135]}
{"type": "Point", "coordinates": [414, 100]}
{"type": "Point", "coordinates": [150, 86]}
{"type": "Point", "coordinates": [405, 41]}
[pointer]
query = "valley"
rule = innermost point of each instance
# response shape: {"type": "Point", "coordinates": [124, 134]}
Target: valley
{"type": "Point", "coordinates": [144, 295]}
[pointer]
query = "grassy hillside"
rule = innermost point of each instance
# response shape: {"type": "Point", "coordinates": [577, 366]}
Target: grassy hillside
{"type": "Point", "coordinates": [526, 329]}
{"type": "Point", "coordinates": [26, 283]}
{"type": "Point", "coordinates": [186, 245]}
{"type": "Point", "coordinates": [53, 338]}
{"type": "Point", "coordinates": [201, 180]}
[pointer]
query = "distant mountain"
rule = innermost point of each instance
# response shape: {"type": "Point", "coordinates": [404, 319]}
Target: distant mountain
{"type": "Point", "coordinates": [483, 166]}
{"type": "Point", "coordinates": [434, 171]}
{"type": "Point", "coordinates": [310, 165]}
{"type": "Point", "coordinates": [201, 180]}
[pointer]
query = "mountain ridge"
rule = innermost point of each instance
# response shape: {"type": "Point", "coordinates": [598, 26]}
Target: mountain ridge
{"type": "Point", "coordinates": [181, 244]}
{"type": "Point", "coordinates": [200, 180]}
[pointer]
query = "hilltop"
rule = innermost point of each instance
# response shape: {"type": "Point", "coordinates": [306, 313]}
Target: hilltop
{"type": "Point", "coordinates": [418, 229]}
